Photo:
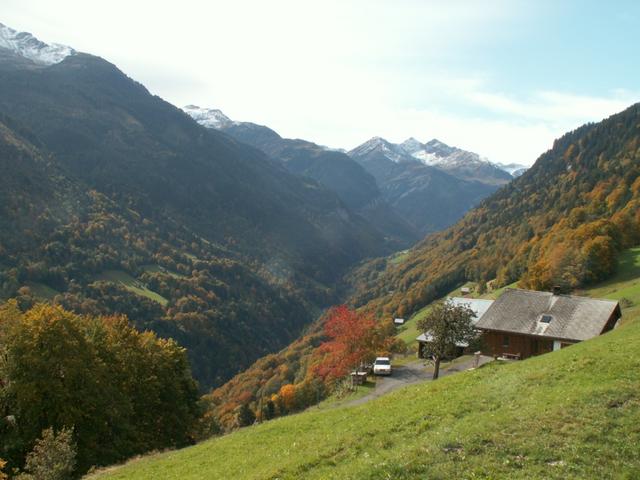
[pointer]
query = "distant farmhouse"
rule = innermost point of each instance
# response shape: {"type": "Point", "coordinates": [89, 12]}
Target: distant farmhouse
{"type": "Point", "coordinates": [524, 323]}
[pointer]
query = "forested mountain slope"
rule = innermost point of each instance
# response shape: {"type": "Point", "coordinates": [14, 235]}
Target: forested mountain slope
{"type": "Point", "coordinates": [334, 169]}
{"type": "Point", "coordinates": [116, 201]}
{"type": "Point", "coordinates": [560, 223]}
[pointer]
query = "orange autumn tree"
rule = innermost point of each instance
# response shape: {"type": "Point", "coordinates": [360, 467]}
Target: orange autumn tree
{"type": "Point", "coordinates": [352, 338]}
{"type": "Point", "coordinates": [288, 396]}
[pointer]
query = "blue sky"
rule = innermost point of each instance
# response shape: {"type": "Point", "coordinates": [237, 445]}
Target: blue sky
{"type": "Point", "coordinates": [502, 78]}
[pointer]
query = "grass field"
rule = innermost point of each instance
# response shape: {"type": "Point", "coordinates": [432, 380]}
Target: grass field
{"type": "Point", "coordinates": [127, 281]}
{"type": "Point", "coordinates": [570, 414]}
{"type": "Point", "coordinates": [152, 268]}
{"type": "Point", "coordinates": [359, 391]}
{"type": "Point", "coordinates": [42, 291]}
{"type": "Point", "coordinates": [399, 257]}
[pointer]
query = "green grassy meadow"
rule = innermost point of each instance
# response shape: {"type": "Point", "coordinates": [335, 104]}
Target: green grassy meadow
{"type": "Point", "coordinates": [570, 414]}
{"type": "Point", "coordinates": [42, 291]}
{"type": "Point", "coordinates": [127, 281]}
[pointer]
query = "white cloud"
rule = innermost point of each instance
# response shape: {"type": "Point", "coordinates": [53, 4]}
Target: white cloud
{"type": "Point", "coordinates": [558, 107]}
{"type": "Point", "coordinates": [334, 72]}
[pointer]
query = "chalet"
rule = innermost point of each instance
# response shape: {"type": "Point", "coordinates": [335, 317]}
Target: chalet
{"type": "Point", "coordinates": [398, 321]}
{"type": "Point", "coordinates": [523, 323]}
{"type": "Point", "coordinates": [465, 290]}
{"type": "Point", "coordinates": [478, 306]}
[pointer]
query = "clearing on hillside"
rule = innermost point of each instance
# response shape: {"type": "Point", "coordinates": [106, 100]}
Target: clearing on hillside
{"type": "Point", "coordinates": [127, 281]}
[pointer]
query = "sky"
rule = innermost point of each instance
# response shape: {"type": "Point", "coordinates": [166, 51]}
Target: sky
{"type": "Point", "coordinates": [503, 78]}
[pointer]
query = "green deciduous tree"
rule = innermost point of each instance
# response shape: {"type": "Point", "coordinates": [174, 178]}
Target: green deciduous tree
{"type": "Point", "coordinates": [124, 392]}
{"type": "Point", "coordinates": [246, 416]}
{"type": "Point", "coordinates": [447, 324]}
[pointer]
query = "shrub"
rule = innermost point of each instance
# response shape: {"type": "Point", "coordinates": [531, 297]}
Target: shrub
{"type": "Point", "coordinates": [53, 457]}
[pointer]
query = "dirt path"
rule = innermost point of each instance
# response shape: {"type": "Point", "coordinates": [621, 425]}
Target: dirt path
{"type": "Point", "coordinates": [413, 372]}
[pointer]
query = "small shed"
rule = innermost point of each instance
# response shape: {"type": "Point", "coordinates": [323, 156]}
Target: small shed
{"type": "Point", "coordinates": [465, 290]}
{"type": "Point", "coordinates": [398, 321]}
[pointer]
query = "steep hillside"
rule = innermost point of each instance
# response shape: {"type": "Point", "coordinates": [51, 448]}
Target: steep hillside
{"type": "Point", "coordinates": [560, 223]}
{"type": "Point", "coordinates": [116, 201]}
{"type": "Point", "coordinates": [429, 197]}
{"type": "Point", "coordinates": [333, 169]}
{"type": "Point", "coordinates": [545, 229]}
{"type": "Point", "coordinates": [567, 414]}
{"type": "Point", "coordinates": [64, 242]}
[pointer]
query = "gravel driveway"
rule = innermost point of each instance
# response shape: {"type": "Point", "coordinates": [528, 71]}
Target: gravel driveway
{"type": "Point", "coordinates": [413, 372]}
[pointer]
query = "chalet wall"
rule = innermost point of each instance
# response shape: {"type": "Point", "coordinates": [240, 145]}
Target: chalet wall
{"type": "Point", "coordinates": [497, 344]}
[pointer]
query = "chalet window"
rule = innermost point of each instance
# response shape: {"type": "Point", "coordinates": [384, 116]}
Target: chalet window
{"type": "Point", "coordinates": [546, 319]}
{"type": "Point", "coordinates": [505, 341]}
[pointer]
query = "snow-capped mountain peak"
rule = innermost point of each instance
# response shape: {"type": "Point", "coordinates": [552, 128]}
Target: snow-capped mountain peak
{"type": "Point", "coordinates": [28, 46]}
{"type": "Point", "coordinates": [439, 148]}
{"type": "Point", "coordinates": [208, 117]}
{"type": "Point", "coordinates": [515, 169]}
{"type": "Point", "coordinates": [390, 150]}
{"type": "Point", "coordinates": [434, 153]}
{"type": "Point", "coordinates": [411, 145]}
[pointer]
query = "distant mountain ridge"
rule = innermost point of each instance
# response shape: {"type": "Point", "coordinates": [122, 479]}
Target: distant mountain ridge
{"type": "Point", "coordinates": [208, 117]}
{"type": "Point", "coordinates": [28, 46]}
{"type": "Point", "coordinates": [399, 188]}
{"type": "Point", "coordinates": [459, 163]}
{"type": "Point", "coordinates": [432, 185]}
{"type": "Point", "coordinates": [332, 168]}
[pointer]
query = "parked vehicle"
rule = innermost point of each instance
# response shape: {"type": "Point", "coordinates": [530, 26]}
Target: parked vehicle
{"type": "Point", "coordinates": [382, 366]}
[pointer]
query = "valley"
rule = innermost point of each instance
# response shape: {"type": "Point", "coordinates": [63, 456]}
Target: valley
{"type": "Point", "coordinates": [487, 422]}
{"type": "Point", "coordinates": [185, 295]}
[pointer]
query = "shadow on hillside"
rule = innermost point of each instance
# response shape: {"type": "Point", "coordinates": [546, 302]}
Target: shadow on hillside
{"type": "Point", "coordinates": [628, 266]}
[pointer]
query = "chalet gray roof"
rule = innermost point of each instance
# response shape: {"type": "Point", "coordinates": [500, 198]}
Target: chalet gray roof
{"type": "Point", "coordinates": [547, 315]}
{"type": "Point", "coordinates": [477, 305]}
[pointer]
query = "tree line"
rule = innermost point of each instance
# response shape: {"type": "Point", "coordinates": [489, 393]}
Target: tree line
{"type": "Point", "coordinates": [120, 391]}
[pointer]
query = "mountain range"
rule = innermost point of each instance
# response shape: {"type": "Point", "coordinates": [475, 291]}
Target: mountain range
{"type": "Point", "coordinates": [332, 169]}
{"type": "Point", "coordinates": [399, 188]}
{"type": "Point", "coordinates": [432, 185]}
{"type": "Point", "coordinates": [118, 202]}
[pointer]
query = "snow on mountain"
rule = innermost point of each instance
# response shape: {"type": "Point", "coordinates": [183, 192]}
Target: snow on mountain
{"type": "Point", "coordinates": [433, 153]}
{"type": "Point", "coordinates": [461, 163]}
{"type": "Point", "coordinates": [439, 154]}
{"type": "Point", "coordinates": [411, 145]}
{"type": "Point", "coordinates": [514, 169]}
{"type": "Point", "coordinates": [28, 46]}
{"type": "Point", "coordinates": [208, 117]}
{"type": "Point", "coordinates": [440, 149]}
{"type": "Point", "coordinates": [390, 150]}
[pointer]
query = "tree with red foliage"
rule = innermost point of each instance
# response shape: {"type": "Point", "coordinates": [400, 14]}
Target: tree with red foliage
{"type": "Point", "coordinates": [353, 338]}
